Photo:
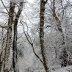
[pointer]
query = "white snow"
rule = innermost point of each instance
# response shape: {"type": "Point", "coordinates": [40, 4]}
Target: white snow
{"type": "Point", "coordinates": [64, 69]}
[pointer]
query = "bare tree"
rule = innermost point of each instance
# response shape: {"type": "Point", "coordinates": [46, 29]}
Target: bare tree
{"type": "Point", "coordinates": [59, 25]}
{"type": "Point", "coordinates": [58, 22]}
{"type": "Point", "coordinates": [8, 46]}
{"type": "Point", "coordinates": [15, 36]}
{"type": "Point", "coordinates": [41, 34]}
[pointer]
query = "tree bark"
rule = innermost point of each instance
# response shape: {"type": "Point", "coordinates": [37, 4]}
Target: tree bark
{"type": "Point", "coordinates": [41, 34]}
{"type": "Point", "coordinates": [9, 38]}
{"type": "Point", "coordinates": [15, 36]}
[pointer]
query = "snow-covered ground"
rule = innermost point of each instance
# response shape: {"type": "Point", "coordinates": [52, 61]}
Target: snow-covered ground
{"type": "Point", "coordinates": [64, 69]}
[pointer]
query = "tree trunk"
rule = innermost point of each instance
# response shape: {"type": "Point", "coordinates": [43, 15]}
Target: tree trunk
{"type": "Point", "coordinates": [8, 47]}
{"type": "Point", "coordinates": [41, 34]}
{"type": "Point", "coordinates": [59, 29]}
{"type": "Point", "coordinates": [58, 22]}
{"type": "Point", "coordinates": [15, 36]}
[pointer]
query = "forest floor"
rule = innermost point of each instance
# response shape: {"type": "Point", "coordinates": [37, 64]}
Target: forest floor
{"type": "Point", "coordinates": [63, 69]}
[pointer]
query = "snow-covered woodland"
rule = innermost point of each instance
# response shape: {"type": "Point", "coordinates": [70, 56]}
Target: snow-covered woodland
{"type": "Point", "coordinates": [35, 35]}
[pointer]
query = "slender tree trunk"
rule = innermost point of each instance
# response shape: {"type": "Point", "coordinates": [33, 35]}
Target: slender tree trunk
{"type": "Point", "coordinates": [0, 62]}
{"type": "Point", "coordinates": [57, 21]}
{"type": "Point", "coordinates": [15, 36]}
{"type": "Point", "coordinates": [1, 50]}
{"type": "Point", "coordinates": [59, 28]}
{"type": "Point", "coordinates": [8, 47]}
{"type": "Point", "coordinates": [42, 10]}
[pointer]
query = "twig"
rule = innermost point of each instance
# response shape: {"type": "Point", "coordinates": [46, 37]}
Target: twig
{"type": "Point", "coordinates": [4, 5]}
{"type": "Point", "coordinates": [3, 26]}
{"type": "Point", "coordinates": [32, 45]}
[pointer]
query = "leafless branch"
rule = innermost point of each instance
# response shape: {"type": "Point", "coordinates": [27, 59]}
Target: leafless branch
{"type": "Point", "coordinates": [62, 9]}
{"type": "Point", "coordinates": [31, 45]}
{"type": "Point", "coordinates": [3, 12]}
{"type": "Point", "coordinates": [45, 1]}
{"type": "Point", "coordinates": [4, 6]}
{"type": "Point", "coordinates": [3, 26]}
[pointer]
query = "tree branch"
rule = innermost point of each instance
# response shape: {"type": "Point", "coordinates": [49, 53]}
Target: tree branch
{"type": "Point", "coordinates": [45, 1]}
{"type": "Point", "coordinates": [3, 26]}
{"type": "Point", "coordinates": [31, 44]}
{"type": "Point", "coordinates": [4, 5]}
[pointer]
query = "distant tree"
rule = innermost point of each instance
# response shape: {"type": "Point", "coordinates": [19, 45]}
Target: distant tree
{"type": "Point", "coordinates": [64, 58]}
{"type": "Point", "coordinates": [58, 21]}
